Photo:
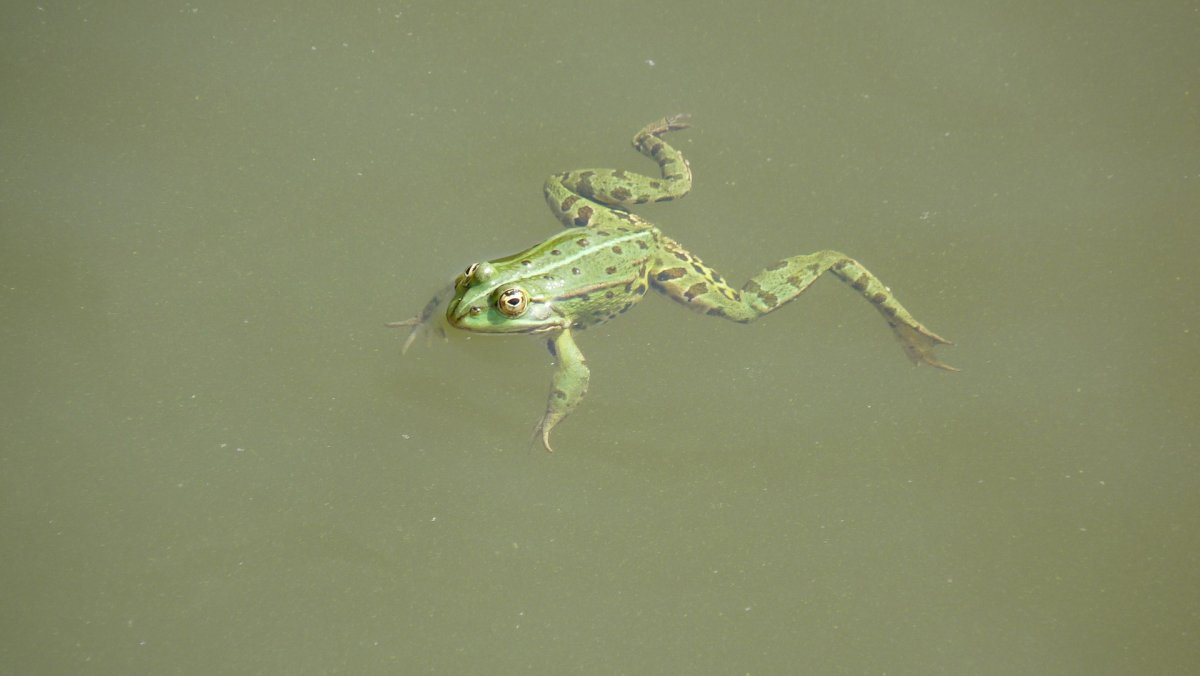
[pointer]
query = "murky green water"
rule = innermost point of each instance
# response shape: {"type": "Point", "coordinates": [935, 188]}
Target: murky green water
{"type": "Point", "coordinates": [215, 460]}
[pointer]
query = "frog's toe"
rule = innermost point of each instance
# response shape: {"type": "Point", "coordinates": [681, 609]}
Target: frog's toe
{"type": "Point", "coordinates": [918, 343]}
{"type": "Point", "coordinates": [677, 121]}
{"type": "Point", "coordinates": [928, 358]}
{"type": "Point", "coordinates": [669, 123]}
{"type": "Point", "coordinates": [417, 327]}
{"type": "Point", "coordinates": [542, 433]}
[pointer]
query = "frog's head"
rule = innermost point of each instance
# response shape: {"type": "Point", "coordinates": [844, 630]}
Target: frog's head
{"type": "Point", "coordinates": [488, 301]}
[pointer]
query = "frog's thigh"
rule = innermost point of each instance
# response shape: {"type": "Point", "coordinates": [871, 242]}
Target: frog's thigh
{"type": "Point", "coordinates": [693, 283]}
{"type": "Point", "coordinates": [571, 209]}
{"type": "Point", "coordinates": [689, 282]}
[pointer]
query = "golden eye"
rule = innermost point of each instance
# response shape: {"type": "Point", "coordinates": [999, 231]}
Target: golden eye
{"type": "Point", "coordinates": [476, 273]}
{"type": "Point", "coordinates": [512, 302]}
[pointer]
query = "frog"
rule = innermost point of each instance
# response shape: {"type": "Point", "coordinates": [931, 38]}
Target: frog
{"type": "Point", "coordinates": [606, 260]}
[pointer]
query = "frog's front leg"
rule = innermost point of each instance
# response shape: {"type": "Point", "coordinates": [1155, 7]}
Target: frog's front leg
{"type": "Point", "coordinates": [567, 387]}
{"type": "Point", "coordinates": [689, 281]}
{"type": "Point", "coordinates": [428, 322]}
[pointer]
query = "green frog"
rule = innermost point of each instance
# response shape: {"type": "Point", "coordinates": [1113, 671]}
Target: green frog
{"type": "Point", "coordinates": [606, 260]}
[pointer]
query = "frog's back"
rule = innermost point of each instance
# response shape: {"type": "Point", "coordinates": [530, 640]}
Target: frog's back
{"type": "Point", "coordinates": [590, 275]}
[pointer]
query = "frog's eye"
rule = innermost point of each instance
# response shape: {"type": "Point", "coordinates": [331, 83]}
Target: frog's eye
{"type": "Point", "coordinates": [480, 273]}
{"type": "Point", "coordinates": [512, 301]}
{"type": "Point", "coordinates": [476, 273]}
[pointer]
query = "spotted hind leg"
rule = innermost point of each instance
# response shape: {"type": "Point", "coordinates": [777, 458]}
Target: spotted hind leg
{"type": "Point", "coordinates": [689, 281]}
{"type": "Point", "coordinates": [585, 196]}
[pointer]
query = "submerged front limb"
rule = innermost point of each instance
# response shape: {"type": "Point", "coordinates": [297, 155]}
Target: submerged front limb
{"type": "Point", "coordinates": [428, 322]}
{"type": "Point", "coordinates": [567, 386]}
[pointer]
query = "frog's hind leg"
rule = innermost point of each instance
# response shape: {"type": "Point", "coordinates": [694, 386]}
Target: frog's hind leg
{"type": "Point", "coordinates": [581, 198]}
{"type": "Point", "coordinates": [687, 280]}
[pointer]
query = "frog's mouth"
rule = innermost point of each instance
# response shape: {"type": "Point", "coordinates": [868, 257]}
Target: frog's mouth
{"type": "Point", "coordinates": [460, 312]}
{"type": "Point", "coordinates": [538, 318]}
{"type": "Point", "coordinates": [457, 319]}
